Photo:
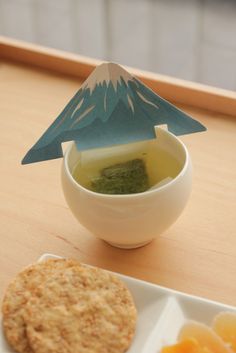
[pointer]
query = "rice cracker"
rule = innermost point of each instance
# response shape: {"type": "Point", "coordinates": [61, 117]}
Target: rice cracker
{"type": "Point", "coordinates": [66, 307]}
{"type": "Point", "coordinates": [20, 290]}
{"type": "Point", "coordinates": [82, 309]}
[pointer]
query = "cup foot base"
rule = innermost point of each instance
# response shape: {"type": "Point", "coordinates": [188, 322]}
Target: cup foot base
{"type": "Point", "coordinates": [128, 246]}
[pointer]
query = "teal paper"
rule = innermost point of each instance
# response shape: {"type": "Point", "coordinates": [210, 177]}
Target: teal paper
{"type": "Point", "coordinates": [111, 108]}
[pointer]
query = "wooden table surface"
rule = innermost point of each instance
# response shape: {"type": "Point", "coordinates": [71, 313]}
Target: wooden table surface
{"type": "Point", "coordinates": [196, 255]}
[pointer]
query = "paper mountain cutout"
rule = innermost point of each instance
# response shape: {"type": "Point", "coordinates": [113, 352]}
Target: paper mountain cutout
{"type": "Point", "coordinates": [111, 107]}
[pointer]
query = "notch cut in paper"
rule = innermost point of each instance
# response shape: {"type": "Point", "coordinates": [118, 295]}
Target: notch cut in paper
{"type": "Point", "coordinates": [111, 108]}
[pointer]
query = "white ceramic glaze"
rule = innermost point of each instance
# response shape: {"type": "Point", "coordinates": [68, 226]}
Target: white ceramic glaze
{"type": "Point", "coordinates": [129, 221]}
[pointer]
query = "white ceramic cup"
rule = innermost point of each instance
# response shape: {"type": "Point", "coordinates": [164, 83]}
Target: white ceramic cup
{"type": "Point", "coordinates": [129, 221]}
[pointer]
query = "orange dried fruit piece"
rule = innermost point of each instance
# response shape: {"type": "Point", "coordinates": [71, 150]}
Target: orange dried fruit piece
{"type": "Point", "coordinates": [224, 325]}
{"type": "Point", "coordinates": [190, 345]}
{"type": "Point", "coordinates": [205, 336]}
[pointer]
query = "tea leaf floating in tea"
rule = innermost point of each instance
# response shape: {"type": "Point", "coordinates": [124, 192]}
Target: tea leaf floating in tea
{"type": "Point", "coordinates": [122, 178]}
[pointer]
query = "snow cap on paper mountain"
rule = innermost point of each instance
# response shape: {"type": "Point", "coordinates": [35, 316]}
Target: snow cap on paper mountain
{"type": "Point", "coordinates": [111, 107]}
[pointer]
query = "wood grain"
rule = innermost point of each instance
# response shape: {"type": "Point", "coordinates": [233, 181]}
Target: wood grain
{"type": "Point", "coordinates": [197, 255]}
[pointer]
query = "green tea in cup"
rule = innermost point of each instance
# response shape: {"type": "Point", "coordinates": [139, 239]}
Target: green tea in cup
{"type": "Point", "coordinates": [126, 174]}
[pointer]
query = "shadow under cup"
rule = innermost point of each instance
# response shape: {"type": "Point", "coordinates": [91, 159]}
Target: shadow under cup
{"type": "Point", "coordinates": [130, 221]}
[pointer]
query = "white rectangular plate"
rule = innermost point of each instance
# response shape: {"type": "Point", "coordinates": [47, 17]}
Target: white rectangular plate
{"type": "Point", "coordinates": [161, 314]}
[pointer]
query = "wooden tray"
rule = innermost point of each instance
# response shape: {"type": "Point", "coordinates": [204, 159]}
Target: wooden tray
{"type": "Point", "coordinates": [197, 255]}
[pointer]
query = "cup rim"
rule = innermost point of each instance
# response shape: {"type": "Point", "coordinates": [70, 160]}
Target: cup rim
{"type": "Point", "coordinates": [126, 196]}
